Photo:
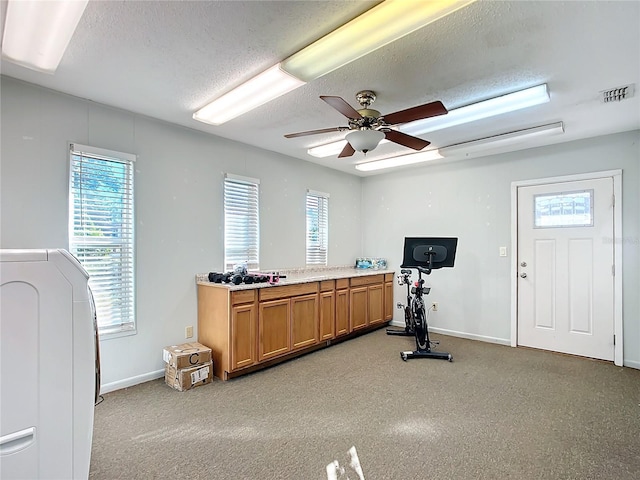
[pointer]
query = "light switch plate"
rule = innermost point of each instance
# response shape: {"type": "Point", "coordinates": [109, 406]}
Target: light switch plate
{"type": "Point", "coordinates": [503, 251]}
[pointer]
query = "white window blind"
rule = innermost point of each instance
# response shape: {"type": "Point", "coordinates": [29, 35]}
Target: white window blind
{"type": "Point", "coordinates": [317, 227]}
{"type": "Point", "coordinates": [101, 231]}
{"type": "Point", "coordinates": [241, 222]}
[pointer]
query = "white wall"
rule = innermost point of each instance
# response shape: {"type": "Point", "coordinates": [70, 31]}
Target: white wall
{"type": "Point", "coordinates": [179, 210]}
{"type": "Point", "coordinates": [472, 200]}
{"type": "Point", "coordinates": [179, 214]}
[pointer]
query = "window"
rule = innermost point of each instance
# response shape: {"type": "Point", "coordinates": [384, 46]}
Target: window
{"type": "Point", "coordinates": [241, 223]}
{"type": "Point", "coordinates": [317, 227]}
{"type": "Point", "coordinates": [565, 209]}
{"type": "Point", "coordinates": [101, 231]}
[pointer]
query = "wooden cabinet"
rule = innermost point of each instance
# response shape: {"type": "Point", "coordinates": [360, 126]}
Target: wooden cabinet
{"type": "Point", "coordinates": [274, 322]}
{"type": "Point", "coordinates": [358, 308]}
{"type": "Point", "coordinates": [388, 296]}
{"type": "Point", "coordinates": [304, 321]}
{"type": "Point", "coordinates": [227, 323]}
{"type": "Point", "coordinates": [243, 335]}
{"type": "Point", "coordinates": [287, 319]}
{"type": "Point", "coordinates": [375, 303]}
{"type": "Point", "coordinates": [252, 327]}
{"type": "Point", "coordinates": [342, 312]}
{"type": "Point", "coordinates": [327, 315]}
{"type": "Point", "coordinates": [367, 301]}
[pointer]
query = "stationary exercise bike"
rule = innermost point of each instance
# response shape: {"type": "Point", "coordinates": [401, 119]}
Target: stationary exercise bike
{"type": "Point", "coordinates": [423, 254]}
{"type": "Point", "coordinates": [410, 324]}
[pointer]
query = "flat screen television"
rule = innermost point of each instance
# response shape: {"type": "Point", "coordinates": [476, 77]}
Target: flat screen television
{"type": "Point", "coordinates": [429, 252]}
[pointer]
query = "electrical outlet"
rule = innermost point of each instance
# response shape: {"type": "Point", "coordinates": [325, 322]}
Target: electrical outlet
{"type": "Point", "coordinates": [188, 332]}
{"type": "Point", "coordinates": [434, 306]}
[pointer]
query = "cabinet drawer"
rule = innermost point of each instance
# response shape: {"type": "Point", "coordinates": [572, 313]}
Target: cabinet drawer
{"type": "Point", "coordinates": [388, 277]}
{"type": "Point", "coordinates": [271, 293]}
{"type": "Point", "coordinates": [369, 279]}
{"type": "Point", "coordinates": [243, 296]}
{"type": "Point", "coordinates": [326, 285]}
{"type": "Point", "coordinates": [342, 283]}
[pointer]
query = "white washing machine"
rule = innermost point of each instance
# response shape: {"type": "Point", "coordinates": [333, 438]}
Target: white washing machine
{"type": "Point", "coordinates": [49, 367]}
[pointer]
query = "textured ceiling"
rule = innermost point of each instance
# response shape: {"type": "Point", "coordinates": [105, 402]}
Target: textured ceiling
{"type": "Point", "coordinates": [166, 59]}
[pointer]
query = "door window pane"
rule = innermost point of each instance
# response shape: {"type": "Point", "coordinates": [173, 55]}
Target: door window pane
{"type": "Point", "coordinates": [564, 209]}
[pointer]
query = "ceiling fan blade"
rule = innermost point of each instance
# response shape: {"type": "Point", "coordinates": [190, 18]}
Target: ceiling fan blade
{"type": "Point", "coordinates": [406, 140]}
{"type": "Point", "coordinates": [347, 151]}
{"type": "Point", "coordinates": [342, 106]}
{"type": "Point", "coordinates": [314, 132]}
{"type": "Point", "coordinates": [427, 110]}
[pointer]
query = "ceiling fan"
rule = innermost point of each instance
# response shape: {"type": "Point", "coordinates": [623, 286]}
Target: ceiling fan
{"type": "Point", "coordinates": [367, 127]}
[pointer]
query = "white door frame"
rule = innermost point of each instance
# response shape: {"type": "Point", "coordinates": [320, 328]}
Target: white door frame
{"type": "Point", "coordinates": [617, 249]}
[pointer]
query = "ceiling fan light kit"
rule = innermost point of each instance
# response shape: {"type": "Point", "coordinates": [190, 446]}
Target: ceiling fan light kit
{"type": "Point", "coordinates": [364, 140]}
{"type": "Point", "coordinates": [37, 33]}
{"type": "Point", "coordinates": [368, 127]}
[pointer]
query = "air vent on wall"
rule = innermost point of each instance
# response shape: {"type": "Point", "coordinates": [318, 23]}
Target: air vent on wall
{"type": "Point", "coordinates": [617, 94]}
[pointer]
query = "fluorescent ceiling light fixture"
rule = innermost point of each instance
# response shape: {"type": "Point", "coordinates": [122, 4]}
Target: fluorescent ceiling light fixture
{"type": "Point", "coordinates": [510, 102]}
{"type": "Point", "coordinates": [375, 28]}
{"type": "Point", "coordinates": [261, 89]}
{"type": "Point", "coordinates": [383, 24]}
{"type": "Point", "coordinates": [327, 150]}
{"type": "Point", "coordinates": [478, 111]}
{"type": "Point", "coordinates": [399, 161]}
{"type": "Point", "coordinates": [37, 33]}
{"type": "Point", "coordinates": [488, 143]}
{"type": "Point", "coordinates": [504, 140]}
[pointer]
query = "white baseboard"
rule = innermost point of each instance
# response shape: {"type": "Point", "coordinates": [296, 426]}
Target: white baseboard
{"type": "Point", "coordinates": [501, 341]}
{"type": "Point", "coordinates": [631, 364]}
{"type": "Point", "coordinates": [130, 382]}
{"type": "Point", "coordinates": [469, 336]}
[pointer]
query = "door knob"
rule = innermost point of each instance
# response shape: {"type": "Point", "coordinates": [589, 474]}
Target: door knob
{"type": "Point", "coordinates": [523, 264]}
{"type": "Point", "coordinates": [523, 275]}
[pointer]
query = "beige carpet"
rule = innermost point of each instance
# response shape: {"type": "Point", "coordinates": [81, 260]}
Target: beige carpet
{"type": "Point", "coordinates": [495, 412]}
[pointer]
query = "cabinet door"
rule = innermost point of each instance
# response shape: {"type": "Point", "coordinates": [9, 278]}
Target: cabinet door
{"type": "Point", "coordinates": [342, 312]}
{"type": "Point", "coordinates": [376, 303]}
{"type": "Point", "coordinates": [274, 329]}
{"type": "Point", "coordinates": [327, 316]}
{"type": "Point", "coordinates": [358, 307]}
{"type": "Point", "coordinates": [304, 321]}
{"type": "Point", "coordinates": [388, 301]}
{"type": "Point", "coordinates": [243, 336]}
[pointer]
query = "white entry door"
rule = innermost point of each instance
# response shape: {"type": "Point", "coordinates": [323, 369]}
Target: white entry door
{"type": "Point", "coordinates": [565, 267]}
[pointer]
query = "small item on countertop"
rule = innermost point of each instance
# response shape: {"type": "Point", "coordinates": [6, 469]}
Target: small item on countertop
{"type": "Point", "coordinates": [216, 277]}
{"type": "Point", "coordinates": [375, 263]}
{"type": "Point", "coordinates": [274, 277]}
{"type": "Point", "coordinates": [238, 277]}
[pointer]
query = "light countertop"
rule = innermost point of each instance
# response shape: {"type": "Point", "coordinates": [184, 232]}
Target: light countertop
{"type": "Point", "coordinates": [297, 276]}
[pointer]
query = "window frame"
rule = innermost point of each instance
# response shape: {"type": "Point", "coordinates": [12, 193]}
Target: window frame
{"type": "Point", "coordinates": [105, 288]}
{"type": "Point", "coordinates": [317, 245]}
{"type": "Point", "coordinates": [251, 247]}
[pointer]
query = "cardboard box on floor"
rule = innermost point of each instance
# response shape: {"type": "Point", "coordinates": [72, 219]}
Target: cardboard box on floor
{"type": "Point", "coordinates": [187, 378]}
{"type": "Point", "coordinates": [186, 355]}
